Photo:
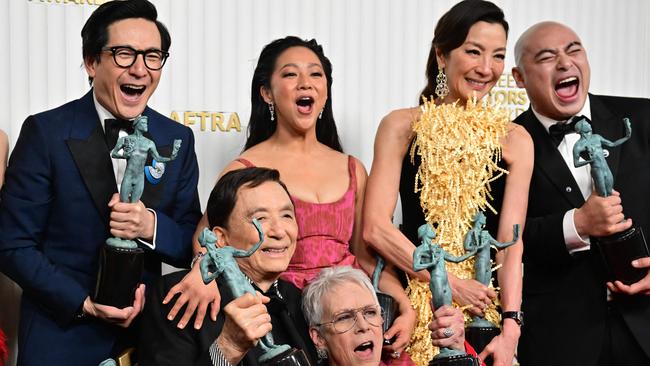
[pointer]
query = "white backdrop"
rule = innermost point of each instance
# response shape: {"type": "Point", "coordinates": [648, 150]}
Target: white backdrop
{"type": "Point", "coordinates": [378, 49]}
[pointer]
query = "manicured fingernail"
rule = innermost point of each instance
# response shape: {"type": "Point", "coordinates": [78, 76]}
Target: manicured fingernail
{"type": "Point", "coordinates": [635, 262]}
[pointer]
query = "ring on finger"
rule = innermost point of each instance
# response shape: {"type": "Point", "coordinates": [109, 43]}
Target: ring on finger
{"type": "Point", "coordinates": [396, 354]}
{"type": "Point", "coordinates": [448, 332]}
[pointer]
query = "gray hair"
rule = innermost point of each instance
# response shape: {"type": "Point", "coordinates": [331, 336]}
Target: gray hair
{"type": "Point", "coordinates": [324, 284]}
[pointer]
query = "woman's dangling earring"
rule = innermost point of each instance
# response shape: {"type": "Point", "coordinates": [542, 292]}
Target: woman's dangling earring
{"type": "Point", "coordinates": [322, 353]}
{"type": "Point", "coordinates": [442, 89]}
{"type": "Point", "coordinates": [320, 116]}
{"type": "Point", "coordinates": [272, 111]}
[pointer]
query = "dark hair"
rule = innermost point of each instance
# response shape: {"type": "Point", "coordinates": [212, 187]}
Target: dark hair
{"type": "Point", "coordinates": [224, 194]}
{"type": "Point", "coordinates": [260, 126]}
{"type": "Point", "coordinates": [451, 32]}
{"type": "Point", "coordinates": [94, 34]}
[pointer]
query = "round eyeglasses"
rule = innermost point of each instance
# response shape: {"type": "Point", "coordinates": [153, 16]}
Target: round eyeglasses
{"type": "Point", "coordinates": [125, 56]}
{"type": "Point", "coordinates": [344, 321]}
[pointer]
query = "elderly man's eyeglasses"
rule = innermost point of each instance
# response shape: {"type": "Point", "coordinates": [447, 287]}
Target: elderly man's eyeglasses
{"type": "Point", "coordinates": [345, 320]}
{"type": "Point", "coordinates": [125, 56]}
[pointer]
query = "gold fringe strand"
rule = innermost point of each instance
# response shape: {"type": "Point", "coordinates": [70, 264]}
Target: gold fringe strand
{"type": "Point", "coordinates": [459, 149]}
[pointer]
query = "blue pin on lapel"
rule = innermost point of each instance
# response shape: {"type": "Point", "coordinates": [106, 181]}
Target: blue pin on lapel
{"type": "Point", "coordinates": [154, 172]}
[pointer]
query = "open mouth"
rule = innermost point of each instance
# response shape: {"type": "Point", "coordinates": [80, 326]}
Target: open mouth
{"type": "Point", "coordinates": [567, 89]}
{"type": "Point", "coordinates": [305, 104]}
{"type": "Point", "coordinates": [365, 349]}
{"type": "Point", "coordinates": [132, 91]}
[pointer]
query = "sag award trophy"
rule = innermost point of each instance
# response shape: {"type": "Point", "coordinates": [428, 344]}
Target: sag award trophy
{"type": "Point", "coordinates": [618, 249]}
{"type": "Point", "coordinates": [387, 303]}
{"type": "Point", "coordinates": [432, 257]}
{"type": "Point", "coordinates": [121, 261]}
{"type": "Point", "coordinates": [479, 331]}
{"type": "Point", "coordinates": [221, 263]}
{"type": "Point", "coordinates": [456, 149]}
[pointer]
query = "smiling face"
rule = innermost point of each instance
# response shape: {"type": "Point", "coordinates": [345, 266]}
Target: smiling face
{"type": "Point", "coordinates": [554, 69]}
{"type": "Point", "coordinates": [270, 204]}
{"type": "Point", "coordinates": [360, 345]}
{"type": "Point", "coordinates": [477, 64]}
{"type": "Point", "coordinates": [124, 92]}
{"type": "Point", "coordinates": [298, 89]}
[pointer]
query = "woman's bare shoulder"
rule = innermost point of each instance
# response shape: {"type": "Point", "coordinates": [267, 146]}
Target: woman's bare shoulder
{"type": "Point", "coordinates": [402, 116]}
{"type": "Point", "coordinates": [398, 123]}
{"type": "Point", "coordinates": [518, 145]}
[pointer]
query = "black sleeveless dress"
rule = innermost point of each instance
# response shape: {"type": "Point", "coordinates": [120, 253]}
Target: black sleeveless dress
{"type": "Point", "coordinates": [412, 215]}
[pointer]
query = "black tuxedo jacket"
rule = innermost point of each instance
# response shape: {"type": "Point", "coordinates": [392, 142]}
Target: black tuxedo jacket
{"type": "Point", "coordinates": [162, 343]}
{"type": "Point", "coordinates": [564, 295]}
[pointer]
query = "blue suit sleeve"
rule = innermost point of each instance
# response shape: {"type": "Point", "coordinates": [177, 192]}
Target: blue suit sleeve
{"type": "Point", "coordinates": [24, 211]}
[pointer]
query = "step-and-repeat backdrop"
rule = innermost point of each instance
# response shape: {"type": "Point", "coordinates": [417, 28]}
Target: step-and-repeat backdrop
{"type": "Point", "coordinates": [378, 49]}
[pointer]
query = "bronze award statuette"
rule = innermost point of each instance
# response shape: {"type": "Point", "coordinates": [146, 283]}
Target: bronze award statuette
{"type": "Point", "coordinates": [620, 249]}
{"type": "Point", "coordinates": [480, 331]}
{"type": "Point", "coordinates": [432, 257]}
{"type": "Point", "coordinates": [121, 261]}
{"type": "Point", "coordinates": [221, 263]}
{"type": "Point", "coordinates": [388, 305]}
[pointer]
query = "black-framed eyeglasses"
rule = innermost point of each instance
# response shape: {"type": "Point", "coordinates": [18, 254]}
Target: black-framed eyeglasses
{"type": "Point", "coordinates": [344, 321]}
{"type": "Point", "coordinates": [125, 56]}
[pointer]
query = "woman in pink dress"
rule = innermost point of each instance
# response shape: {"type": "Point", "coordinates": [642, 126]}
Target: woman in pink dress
{"type": "Point", "coordinates": [292, 129]}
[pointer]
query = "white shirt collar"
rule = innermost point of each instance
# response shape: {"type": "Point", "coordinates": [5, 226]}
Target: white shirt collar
{"type": "Point", "coordinates": [548, 122]}
{"type": "Point", "coordinates": [102, 112]}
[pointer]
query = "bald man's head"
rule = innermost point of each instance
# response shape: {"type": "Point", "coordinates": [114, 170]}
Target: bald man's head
{"type": "Point", "coordinates": [552, 65]}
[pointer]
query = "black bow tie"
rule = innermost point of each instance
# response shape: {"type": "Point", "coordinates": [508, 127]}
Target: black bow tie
{"type": "Point", "coordinates": [558, 130]}
{"type": "Point", "coordinates": [113, 126]}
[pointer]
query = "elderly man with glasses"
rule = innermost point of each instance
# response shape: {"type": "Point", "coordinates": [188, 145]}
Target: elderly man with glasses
{"type": "Point", "coordinates": [60, 200]}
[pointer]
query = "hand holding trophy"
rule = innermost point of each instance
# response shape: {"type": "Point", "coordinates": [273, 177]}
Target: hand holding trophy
{"type": "Point", "coordinates": [480, 331]}
{"type": "Point", "coordinates": [121, 261]}
{"type": "Point", "coordinates": [432, 256]}
{"type": "Point", "coordinates": [220, 263]}
{"type": "Point", "coordinates": [619, 249]}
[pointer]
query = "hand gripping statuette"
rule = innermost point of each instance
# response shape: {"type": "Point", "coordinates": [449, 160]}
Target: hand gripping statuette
{"type": "Point", "coordinates": [220, 262]}
{"type": "Point", "coordinates": [121, 261]}
{"type": "Point", "coordinates": [432, 257]}
{"type": "Point", "coordinates": [619, 249]}
{"type": "Point", "coordinates": [480, 331]}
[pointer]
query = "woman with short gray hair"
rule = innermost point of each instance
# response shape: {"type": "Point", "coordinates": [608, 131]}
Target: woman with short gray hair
{"type": "Point", "coordinates": [344, 316]}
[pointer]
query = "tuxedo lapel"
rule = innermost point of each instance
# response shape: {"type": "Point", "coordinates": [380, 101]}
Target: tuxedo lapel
{"type": "Point", "coordinates": [604, 123]}
{"type": "Point", "coordinates": [550, 161]}
{"type": "Point", "coordinates": [91, 155]}
{"type": "Point", "coordinates": [153, 193]}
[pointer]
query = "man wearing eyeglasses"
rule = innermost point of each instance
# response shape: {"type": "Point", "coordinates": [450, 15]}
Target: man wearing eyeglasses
{"type": "Point", "coordinates": [60, 202]}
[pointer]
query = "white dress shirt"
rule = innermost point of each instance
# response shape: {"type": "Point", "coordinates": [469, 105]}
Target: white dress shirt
{"type": "Point", "coordinates": [574, 242]}
{"type": "Point", "coordinates": [119, 167]}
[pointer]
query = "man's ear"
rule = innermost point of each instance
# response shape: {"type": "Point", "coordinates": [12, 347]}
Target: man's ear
{"type": "Point", "coordinates": [519, 77]}
{"type": "Point", "coordinates": [222, 236]}
{"type": "Point", "coordinates": [266, 94]}
{"type": "Point", "coordinates": [315, 336]}
{"type": "Point", "coordinates": [89, 64]}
